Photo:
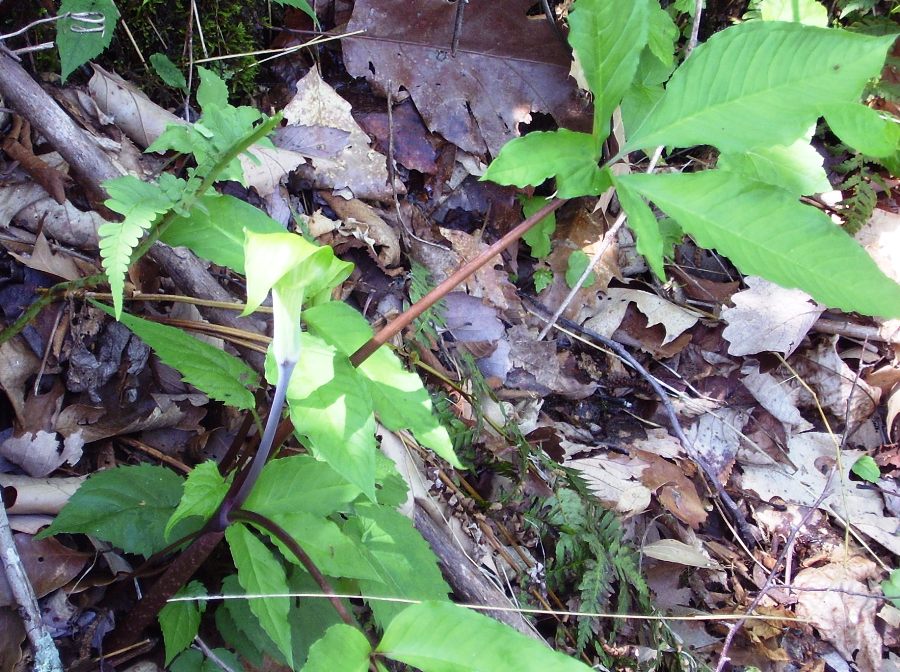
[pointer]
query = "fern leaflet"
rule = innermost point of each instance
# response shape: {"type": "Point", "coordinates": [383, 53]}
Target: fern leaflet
{"type": "Point", "coordinates": [140, 203]}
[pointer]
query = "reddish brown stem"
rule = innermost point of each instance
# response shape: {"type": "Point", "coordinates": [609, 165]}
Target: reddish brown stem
{"type": "Point", "coordinates": [396, 326]}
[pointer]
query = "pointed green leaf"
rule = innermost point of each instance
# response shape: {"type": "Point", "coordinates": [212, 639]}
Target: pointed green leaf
{"type": "Point", "coordinates": [204, 490]}
{"type": "Point", "coordinates": [180, 621]}
{"type": "Point", "coordinates": [398, 396]}
{"type": "Point", "coordinates": [140, 203]}
{"type": "Point", "coordinates": [332, 551]}
{"type": "Point", "coordinates": [797, 167]}
{"type": "Point", "coordinates": [79, 41]}
{"type": "Point", "coordinates": [662, 34]}
{"type": "Point", "coordinates": [808, 12]}
{"type": "Point", "coordinates": [126, 506]}
{"type": "Point", "coordinates": [212, 371]}
{"type": "Point", "coordinates": [303, 483]}
{"type": "Point", "coordinates": [575, 267]}
{"type": "Point", "coordinates": [342, 648]}
{"type": "Point", "coordinates": [168, 71]}
{"type": "Point", "coordinates": [643, 222]}
{"type": "Point", "coordinates": [608, 38]}
{"type": "Point", "coordinates": [260, 573]}
{"type": "Point", "coordinates": [405, 563]}
{"type": "Point", "coordinates": [444, 637]}
{"type": "Point", "coordinates": [864, 129]}
{"type": "Point", "coordinates": [212, 92]}
{"type": "Point", "coordinates": [538, 236]}
{"type": "Point", "coordinates": [566, 155]}
{"type": "Point", "coordinates": [303, 6]}
{"type": "Point", "coordinates": [766, 232]}
{"type": "Point", "coordinates": [215, 230]}
{"type": "Point", "coordinates": [760, 83]}
{"type": "Point", "coordinates": [331, 406]}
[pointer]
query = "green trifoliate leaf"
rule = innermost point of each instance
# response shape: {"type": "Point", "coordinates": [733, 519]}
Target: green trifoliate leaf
{"type": "Point", "coordinates": [126, 506]}
{"type": "Point", "coordinates": [331, 410]}
{"type": "Point", "coordinates": [80, 41]}
{"type": "Point", "coordinates": [405, 563]}
{"type": "Point", "coordinates": [399, 398]}
{"type": "Point", "coordinates": [608, 38]}
{"type": "Point", "coordinates": [342, 648]}
{"type": "Point", "coordinates": [260, 573]}
{"type": "Point", "coordinates": [214, 372]}
{"type": "Point", "coordinates": [204, 490]}
{"type": "Point", "coordinates": [722, 96]}
{"type": "Point", "coordinates": [766, 232]}
{"type": "Point", "coordinates": [569, 156]}
{"type": "Point", "coordinates": [180, 621]}
{"type": "Point", "coordinates": [419, 637]}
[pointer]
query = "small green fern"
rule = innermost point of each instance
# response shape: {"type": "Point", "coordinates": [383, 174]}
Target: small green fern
{"type": "Point", "coordinates": [141, 203]}
{"type": "Point", "coordinates": [592, 558]}
{"type": "Point", "coordinates": [857, 207]}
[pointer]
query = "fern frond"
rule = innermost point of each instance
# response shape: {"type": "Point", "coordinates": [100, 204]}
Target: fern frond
{"type": "Point", "coordinates": [140, 203]}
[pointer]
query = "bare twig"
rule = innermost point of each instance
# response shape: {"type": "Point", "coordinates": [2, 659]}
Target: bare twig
{"type": "Point", "coordinates": [695, 28]}
{"type": "Point", "coordinates": [91, 18]}
{"type": "Point", "coordinates": [46, 657]}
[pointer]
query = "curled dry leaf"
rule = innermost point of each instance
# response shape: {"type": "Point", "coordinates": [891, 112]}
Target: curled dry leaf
{"type": "Point", "coordinates": [839, 389]}
{"type": "Point", "coordinates": [48, 565]}
{"type": "Point", "coordinates": [777, 397]}
{"type": "Point", "coordinates": [768, 318]}
{"type": "Point", "coordinates": [41, 453]}
{"type": "Point", "coordinates": [658, 310]}
{"type": "Point", "coordinates": [357, 169]}
{"type": "Point", "coordinates": [814, 453]}
{"type": "Point", "coordinates": [845, 619]}
{"type": "Point", "coordinates": [364, 223]}
{"type": "Point", "coordinates": [40, 495]}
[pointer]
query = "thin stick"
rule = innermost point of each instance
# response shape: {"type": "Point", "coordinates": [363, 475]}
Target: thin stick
{"type": "Point", "coordinates": [695, 28]}
{"type": "Point", "coordinates": [46, 657]}
{"type": "Point", "coordinates": [396, 326]}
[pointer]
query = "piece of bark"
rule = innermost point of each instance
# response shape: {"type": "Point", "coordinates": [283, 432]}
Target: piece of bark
{"type": "Point", "coordinates": [464, 577]}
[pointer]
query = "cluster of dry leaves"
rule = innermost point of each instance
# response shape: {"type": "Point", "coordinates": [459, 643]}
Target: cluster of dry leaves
{"type": "Point", "coordinates": [780, 395]}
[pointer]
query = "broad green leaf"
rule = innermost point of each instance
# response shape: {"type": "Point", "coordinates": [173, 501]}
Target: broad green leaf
{"type": "Point", "coordinates": [330, 405]}
{"type": "Point", "coordinates": [140, 203]}
{"type": "Point", "coordinates": [577, 264]}
{"type": "Point", "coordinates": [168, 71]}
{"type": "Point", "coordinates": [808, 12]}
{"type": "Point", "coordinates": [76, 46]}
{"type": "Point", "coordinates": [193, 660]}
{"type": "Point", "coordinates": [538, 236]}
{"type": "Point", "coordinates": [760, 83]}
{"type": "Point", "coordinates": [392, 487]}
{"type": "Point", "coordinates": [212, 93]}
{"type": "Point", "coordinates": [126, 506]}
{"type": "Point", "coordinates": [405, 563]}
{"type": "Point", "coordinates": [342, 648]}
{"type": "Point", "coordinates": [864, 129]}
{"type": "Point", "coordinates": [444, 637]}
{"type": "Point", "coordinates": [608, 38]}
{"type": "Point", "coordinates": [312, 616]}
{"type": "Point", "coordinates": [867, 469]}
{"type": "Point", "coordinates": [568, 156]}
{"type": "Point", "coordinates": [643, 222]}
{"type": "Point", "coordinates": [241, 629]}
{"type": "Point", "coordinates": [300, 483]}
{"type": "Point", "coordinates": [303, 6]}
{"type": "Point", "coordinates": [766, 232]}
{"type": "Point", "coordinates": [662, 34]}
{"type": "Point", "coordinates": [214, 372]}
{"type": "Point", "coordinates": [215, 229]}
{"type": "Point", "coordinates": [332, 551]}
{"type": "Point", "coordinates": [398, 396]}
{"type": "Point", "coordinates": [260, 573]}
{"type": "Point", "coordinates": [180, 621]}
{"type": "Point", "coordinates": [797, 167]}
{"type": "Point", "coordinates": [204, 490]}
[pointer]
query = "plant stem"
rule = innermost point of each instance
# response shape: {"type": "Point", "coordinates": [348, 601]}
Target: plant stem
{"type": "Point", "coordinates": [397, 325]}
